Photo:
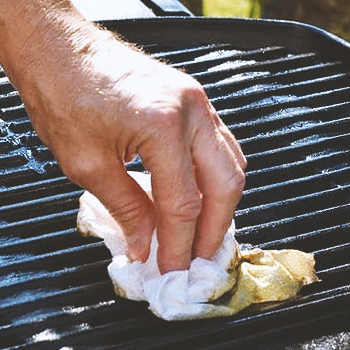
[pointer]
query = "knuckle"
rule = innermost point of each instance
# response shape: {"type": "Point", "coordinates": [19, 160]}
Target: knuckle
{"type": "Point", "coordinates": [129, 214]}
{"type": "Point", "coordinates": [229, 188]}
{"type": "Point", "coordinates": [236, 182]}
{"type": "Point", "coordinates": [185, 209]}
{"type": "Point", "coordinates": [164, 114]}
{"type": "Point", "coordinates": [243, 163]}
{"type": "Point", "coordinates": [195, 91]}
{"type": "Point", "coordinates": [195, 86]}
{"type": "Point", "coordinates": [83, 173]}
{"type": "Point", "coordinates": [166, 122]}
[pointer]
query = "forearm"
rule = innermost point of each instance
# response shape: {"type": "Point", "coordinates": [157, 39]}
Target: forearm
{"type": "Point", "coordinates": [37, 34]}
{"type": "Point", "coordinates": [44, 45]}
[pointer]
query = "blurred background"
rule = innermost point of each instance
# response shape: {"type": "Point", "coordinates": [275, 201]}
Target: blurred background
{"type": "Point", "coordinates": [332, 15]}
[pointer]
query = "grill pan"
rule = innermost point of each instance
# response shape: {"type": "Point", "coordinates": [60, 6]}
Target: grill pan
{"type": "Point", "coordinates": [283, 89]}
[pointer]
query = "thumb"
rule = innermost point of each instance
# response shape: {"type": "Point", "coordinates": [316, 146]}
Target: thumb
{"type": "Point", "coordinates": [130, 206]}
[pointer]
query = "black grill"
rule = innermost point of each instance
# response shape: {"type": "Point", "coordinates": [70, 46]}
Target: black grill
{"type": "Point", "coordinates": [289, 108]}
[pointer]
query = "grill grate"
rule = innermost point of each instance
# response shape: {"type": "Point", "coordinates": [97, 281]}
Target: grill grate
{"type": "Point", "coordinates": [289, 110]}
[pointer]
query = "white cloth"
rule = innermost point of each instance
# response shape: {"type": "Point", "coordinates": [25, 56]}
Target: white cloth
{"type": "Point", "coordinates": [248, 277]}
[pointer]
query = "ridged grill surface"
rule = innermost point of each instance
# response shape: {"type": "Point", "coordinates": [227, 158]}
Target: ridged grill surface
{"type": "Point", "coordinates": [290, 112]}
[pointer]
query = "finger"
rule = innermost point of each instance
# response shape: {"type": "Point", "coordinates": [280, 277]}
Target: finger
{"type": "Point", "coordinates": [235, 146]}
{"type": "Point", "coordinates": [231, 141]}
{"type": "Point", "coordinates": [221, 181]}
{"type": "Point", "coordinates": [229, 137]}
{"type": "Point", "coordinates": [177, 200]}
{"type": "Point", "coordinates": [129, 205]}
{"type": "Point", "coordinates": [131, 208]}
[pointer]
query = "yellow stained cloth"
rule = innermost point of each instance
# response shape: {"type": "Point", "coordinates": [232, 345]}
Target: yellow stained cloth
{"type": "Point", "coordinates": [271, 275]}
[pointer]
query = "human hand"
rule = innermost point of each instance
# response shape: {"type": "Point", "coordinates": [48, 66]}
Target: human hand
{"type": "Point", "coordinates": [97, 103]}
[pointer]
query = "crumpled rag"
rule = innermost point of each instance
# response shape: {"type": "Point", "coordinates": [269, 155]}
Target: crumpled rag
{"type": "Point", "coordinates": [228, 283]}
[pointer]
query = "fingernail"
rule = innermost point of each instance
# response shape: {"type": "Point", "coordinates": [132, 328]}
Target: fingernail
{"type": "Point", "coordinates": [167, 263]}
{"type": "Point", "coordinates": [136, 248]}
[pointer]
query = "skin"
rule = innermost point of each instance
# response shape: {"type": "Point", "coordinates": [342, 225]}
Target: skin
{"type": "Point", "coordinates": [96, 102]}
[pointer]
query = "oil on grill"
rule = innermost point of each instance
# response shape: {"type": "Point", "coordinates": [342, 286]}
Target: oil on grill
{"type": "Point", "coordinates": [290, 112]}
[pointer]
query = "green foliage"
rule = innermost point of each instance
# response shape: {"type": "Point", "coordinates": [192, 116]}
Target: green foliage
{"type": "Point", "coordinates": [232, 8]}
